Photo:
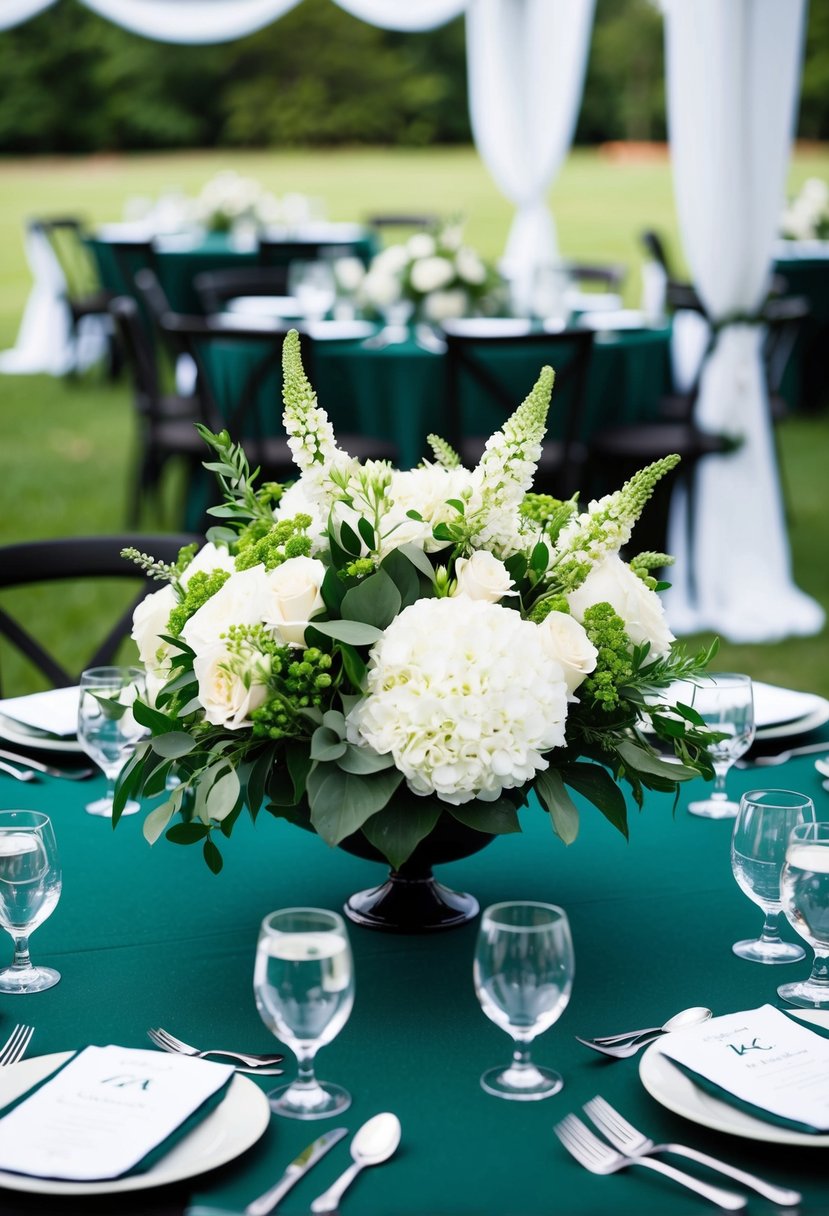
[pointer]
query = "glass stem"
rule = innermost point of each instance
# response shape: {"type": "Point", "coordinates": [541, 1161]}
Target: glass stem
{"type": "Point", "coordinates": [305, 1070]}
{"type": "Point", "coordinates": [820, 971]}
{"type": "Point", "coordinates": [718, 794]}
{"type": "Point", "coordinates": [22, 962]}
{"type": "Point", "coordinates": [770, 934]}
{"type": "Point", "coordinates": [521, 1058]}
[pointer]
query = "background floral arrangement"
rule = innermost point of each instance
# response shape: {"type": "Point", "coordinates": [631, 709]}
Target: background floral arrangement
{"type": "Point", "coordinates": [807, 215]}
{"type": "Point", "coordinates": [370, 649]}
{"type": "Point", "coordinates": [229, 199]}
{"type": "Point", "coordinates": [436, 273]}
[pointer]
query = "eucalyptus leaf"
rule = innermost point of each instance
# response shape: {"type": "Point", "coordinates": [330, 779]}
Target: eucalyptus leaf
{"type": "Point", "coordinates": [349, 540]}
{"type": "Point", "coordinates": [596, 785]}
{"type": "Point", "coordinates": [495, 818]}
{"type": "Point", "coordinates": [157, 820]}
{"type": "Point", "coordinates": [375, 601]}
{"type": "Point", "coordinates": [187, 833]}
{"type": "Point", "coordinates": [366, 532]}
{"type": "Point", "coordinates": [112, 710]}
{"type": "Point", "coordinates": [418, 559]}
{"type": "Point", "coordinates": [363, 760]}
{"type": "Point", "coordinates": [222, 795]}
{"type": "Point", "coordinates": [342, 802]}
{"type": "Point", "coordinates": [354, 632]}
{"type": "Point", "coordinates": [404, 575]}
{"type": "Point", "coordinates": [177, 743]}
{"type": "Point", "coordinates": [641, 760]}
{"type": "Point", "coordinates": [354, 668]}
{"type": "Point", "coordinates": [400, 827]}
{"type": "Point", "coordinates": [212, 856]}
{"type": "Point", "coordinates": [562, 810]}
{"type": "Point", "coordinates": [326, 744]}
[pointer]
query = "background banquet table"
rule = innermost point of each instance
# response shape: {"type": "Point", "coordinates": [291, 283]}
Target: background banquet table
{"type": "Point", "coordinates": [149, 937]}
{"type": "Point", "coordinates": [806, 383]}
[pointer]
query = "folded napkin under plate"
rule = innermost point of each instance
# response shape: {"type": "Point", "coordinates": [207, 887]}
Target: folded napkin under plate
{"type": "Point", "coordinates": [54, 712]}
{"type": "Point", "coordinates": [152, 1118]}
{"type": "Point", "coordinates": [760, 1073]}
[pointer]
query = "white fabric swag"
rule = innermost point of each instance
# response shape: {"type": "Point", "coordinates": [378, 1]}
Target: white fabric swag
{"type": "Point", "coordinates": [732, 74]}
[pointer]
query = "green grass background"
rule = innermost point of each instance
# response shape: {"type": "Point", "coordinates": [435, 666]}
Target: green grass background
{"type": "Point", "coordinates": [66, 445]}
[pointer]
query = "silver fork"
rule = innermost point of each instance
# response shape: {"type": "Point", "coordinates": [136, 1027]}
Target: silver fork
{"type": "Point", "coordinates": [15, 1045]}
{"type": "Point", "coordinates": [781, 757]}
{"type": "Point", "coordinates": [619, 1051]}
{"type": "Point", "coordinates": [168, 1042]}
{"type": "Point", "coordinates": [623, 1136]}
{"type": "Point", "coordinates": [600, 1158]}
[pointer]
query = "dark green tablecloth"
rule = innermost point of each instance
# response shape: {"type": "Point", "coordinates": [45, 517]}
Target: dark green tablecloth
{"type": "Point", "coordinates": [178, 267]}
{"type": "Point", "coordinates": [146, 937]}
{"type": "Point", "coordinates": [806, 382]}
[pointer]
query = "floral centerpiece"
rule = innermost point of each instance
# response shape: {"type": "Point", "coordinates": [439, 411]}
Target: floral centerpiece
{"type": "Point", "coordinates": [436, 274]}
{"type": "Point", "coordinates": [806, 218]}
{"type": "Point", "coordinates": [229, 200]}
{"type": "Point", "coordinates": [371, 653]}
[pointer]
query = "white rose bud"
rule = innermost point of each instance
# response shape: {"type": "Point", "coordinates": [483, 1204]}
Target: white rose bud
{"type": "Point", "coordinates": [613, 582]}
{"type": "Point", "coordinates": [565, 640]}
{"type": "Point", "coordinates": [294, 597]}
{"type": "Point", "coordinates": [482, 577]}
{"type": "Point", "coordinates": [228, 693]}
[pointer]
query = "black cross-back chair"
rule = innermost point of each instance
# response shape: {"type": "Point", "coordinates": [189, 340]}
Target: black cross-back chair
{"type": "Point", "coordinates": [215, 287]}
{"type": "Point", "coordinates": [480, 387]}
{"type": "Point", "coordinates": [609, 277]}
{"type": "Point", "coordinates": [253, 413]}
{"type": "Point", "coordinates": [74, 558]}
{"type": "Point", "coordinates": [165, 422]}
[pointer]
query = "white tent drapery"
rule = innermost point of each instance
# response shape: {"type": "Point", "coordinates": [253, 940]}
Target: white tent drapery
{"type": "Point", "coordinates": [732, 75]}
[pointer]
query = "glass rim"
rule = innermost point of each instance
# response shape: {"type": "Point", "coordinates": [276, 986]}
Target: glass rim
{"type": "Point", "coordinates": [337, 922]}
{"type": "Point", "coordinates": [796, 798]}
{"type": "Point", "coordinates": [813, 827]}
{"type": "Point", "coordinates": [490, 915]}
{"type": "Point", "coordinates": [97, 673]}
{"type": "Point", "coordinates": [40, 818]}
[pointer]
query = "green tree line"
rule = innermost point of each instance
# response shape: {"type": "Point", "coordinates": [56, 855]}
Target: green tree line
{"type": "Point", "coordinates": [72, 82]}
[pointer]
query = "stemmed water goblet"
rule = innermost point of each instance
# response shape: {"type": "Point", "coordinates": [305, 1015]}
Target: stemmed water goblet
{"type": "Point", "coordinates": [761, 833]}
{"type": "Point", "coordinates": [313, 286]}
{"type": "Point", "coordinates": [523, 974]}
{"type": "Point", "coordinates": [107, 729]}
{"type": "Point", "coordinates": [725, 702]}
{"type": "Point", "coordinates": [304, 987]}
{"type": "Point", "coordinates": [30, 883]}
{"type": "Point", "coordinates": [804, 892]}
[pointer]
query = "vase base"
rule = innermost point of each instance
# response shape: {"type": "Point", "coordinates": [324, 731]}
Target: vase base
{"type": "Point", "coordinates": [411, 905]}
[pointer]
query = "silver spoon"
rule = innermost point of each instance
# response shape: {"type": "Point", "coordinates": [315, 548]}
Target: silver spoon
{"type": "Point", "coordinates": [622, 1045]}
{"type": "Point", "coordinates": [373, 1144]}
{"type": "Point", "coordinates": [19, 774]}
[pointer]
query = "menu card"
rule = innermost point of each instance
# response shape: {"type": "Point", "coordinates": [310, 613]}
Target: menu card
{"type": "Point", "coordinates": [763, 1059]}
{"type": "Point", "coordinates": [106, 1111]}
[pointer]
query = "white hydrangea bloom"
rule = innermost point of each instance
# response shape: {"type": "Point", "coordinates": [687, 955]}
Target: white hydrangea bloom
{"type": "Point", "coordinates": [464, 697]}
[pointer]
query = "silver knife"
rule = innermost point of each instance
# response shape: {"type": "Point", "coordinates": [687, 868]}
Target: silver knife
{"type": "Point", "coordinates": [299, 1166]}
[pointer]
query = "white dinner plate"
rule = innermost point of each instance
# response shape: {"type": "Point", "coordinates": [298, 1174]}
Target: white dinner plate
{"type": "Point", "coordinates": [676, 1091]}
{"type": "Point", "coordinates": [265, 306]}
{"type": "Point", "coordinates": [235, 1124]}
{"type": "Point", "coordinates": [610, 320]}
{"type": "Point", "coordinates": [343, 330]}
{"type": "Point", "coordinates": [816, 718]}
{"type": "Point", "coordinates": [34, 740]}
{"type": "Point", "coordinates": [488, 327]}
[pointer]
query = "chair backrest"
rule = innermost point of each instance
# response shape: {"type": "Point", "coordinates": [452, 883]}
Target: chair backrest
{"type": "Point", "coordinates": [609, 277]}
{"type": "Point", "coordinates": [215, 287]}
{"type": "Point", "coordinates": [138, 351]}
{"type": "Point", "coordinates": [487, 378]}
{"type": "Point", "coordinates": [66, 236]}
{"type": "Point", "coordinates": [410, 221]}
{"type": "Point", "coordinates": [130, 258]}
{"type": "Point", "coordinates": [655, 248]}
{"type": "Point", "coordinates": [74, 559]}
{"type": "Point", "coordinates": [784, 318]}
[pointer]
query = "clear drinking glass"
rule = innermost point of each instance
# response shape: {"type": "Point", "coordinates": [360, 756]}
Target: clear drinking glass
{"type": "Point", "coordinates": [804, 892]}
{"type": "Point", "coordinates": [313, 287]}
{"type": "Point", "coordinates": [304, 987]}
{"type": "Point", "coordinates": [758, 849]}
{"type": "Point", "coordinates": [726, 703]}
{"type": "Point", "coordinates": [523, 975]}
{"type": "Point", "coordinates": [108, 733]}
{"type": "Point", "coordinates": [30, 882]}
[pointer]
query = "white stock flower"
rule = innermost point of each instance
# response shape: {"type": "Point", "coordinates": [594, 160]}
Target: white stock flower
{"type": "Point", "coordinates": [231, 685]}
{"type": "Point", "coordinates": [149, 621]}
{"type": "Point", "coordinates": [243, 600]}
{"type": "Point", "coordinates": [431, 274]}
{"type": "Point", "coordinates": [421, 245]}
{"type": "Point", "coordinates": [295, 597]}
{"type": "Point", "coordinates": [445, 305]}
{"type": "Point", "coordinates": [564, 639]}
{"type": "Point", "coordinates": [469, 266]}
{"type": "Point", "coordinates": [463, 698]}
{"type": "Point", "coordinates": [483, 577]}
{"type": "Point", "coordinates": [613, 582]}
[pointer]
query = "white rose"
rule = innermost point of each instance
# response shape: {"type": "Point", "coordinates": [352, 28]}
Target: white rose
{"type": "Point", "coordinates": [421, 245]}
{"type": "Point", "coordinates": [349, 274]}
{"type": "Point", "coordinates": [149, 621]}
{"type": "Point", "coordinates": [612, 581]}
{"type": "Point", "coordinates": [443, 305]}
{"type": "Point", "coordinates": [482, 577]}
{"type": "Point", "coordinates": [564, 639]}
{"type": "Point", "coordinates": [380, 289]}
{"type": "Point", "coordinates": [298, 500]}
{"type": "Point", "coordinates": [243, 600]}
{"type": "Point", "coordinates": [430, 274]}
{"type": "Point", "coordinates": [294, 597]}
{"type": "Point", "coordinates": [209, 557]}
{"type": "Point", "coordinates": [390, 260]}
{"type": "Point", "coordinates": [228, 693]}
{"type": "Point", "coordinates": [470, 267]}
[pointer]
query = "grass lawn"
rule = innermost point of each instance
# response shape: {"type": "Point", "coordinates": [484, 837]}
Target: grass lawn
{"type": "Point", "coordinates": [66, 445]}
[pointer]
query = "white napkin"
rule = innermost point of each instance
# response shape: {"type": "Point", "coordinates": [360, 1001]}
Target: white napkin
{"type": "Point", "coordinates": [55, 711]}
{"type": "Point", "coordinates": [760, 1058]}
{"type": "Point", "coordinates": [106, 1111]}
{"type": "Point", "coordinates": [774, 705]}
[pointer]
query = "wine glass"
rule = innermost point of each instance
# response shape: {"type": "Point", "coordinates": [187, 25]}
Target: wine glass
{"type": "Point", "coordinates": [107, 730]}
{"type": "Point", "coordinates": [804, 893]}
{"type": "Point", "coordinates": [758, 849]}
{"type": "Point", "coordinates": [726, 704]}
{"type": "Point", "coordinates": [30, 884]}
{"type": "Point", "coordinates": [313, 287]}
{"type": "Point", "coordinates": [303, 982]}
{"type": "Point", "coordinates": [523, 975]}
